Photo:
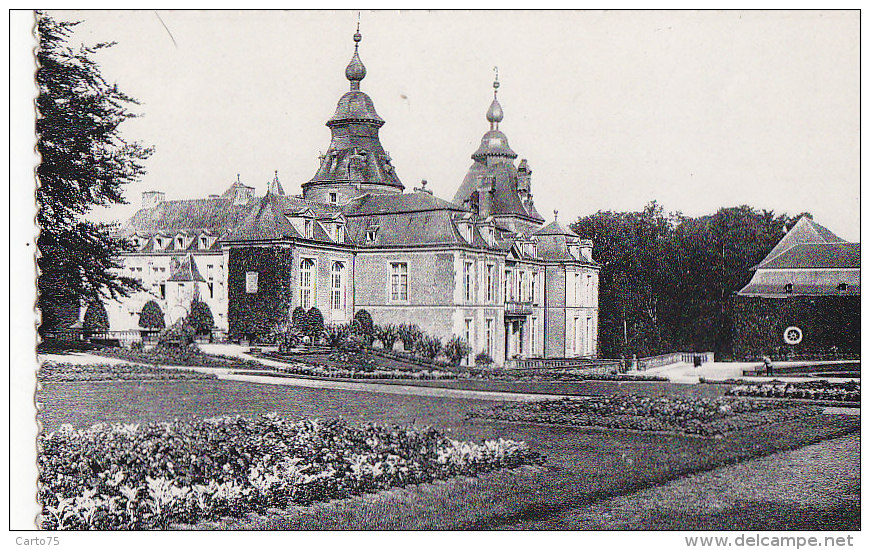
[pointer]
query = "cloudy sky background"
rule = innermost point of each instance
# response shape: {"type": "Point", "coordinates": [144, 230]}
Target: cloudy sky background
{"type": "Point", "coordinates": [697, 110]}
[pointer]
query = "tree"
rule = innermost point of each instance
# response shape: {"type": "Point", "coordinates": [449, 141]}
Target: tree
{"type": "Point", "coordinates": [96, 319]}
{"type": "Point", "coordinates": [85, 163]}
{"type": "Point", "coordinates": [363, 326]}
{"type": "Point", "coordinates": [297, 318]}
{"type": "Point", "coordinates": [151, 316]}
{"type": "Point", "coordinates": [200, 317]}
{"type": "Point", "coordinates": [455, 349]}
{"type": "Point", "coordinates": [667, 279]}
{"type": "Point", "coordinates": [313, 324]}
{"type": "Point", "coordinates": [387, 334]}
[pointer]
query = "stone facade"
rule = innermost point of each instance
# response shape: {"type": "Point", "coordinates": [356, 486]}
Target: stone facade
{"type": "Point", "coordinates": [483, 266]}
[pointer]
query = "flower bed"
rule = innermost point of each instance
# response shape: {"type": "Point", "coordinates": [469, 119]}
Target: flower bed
{"type": "Point", "coordinates": [189, 356]}
{"type": "Point", "coordinates": [692, 416]}
{"type": "Point", "coordinates": [66, 372]}
{"type": "Point", "coordinates": [817, 390]}
{"type": "Point", "coordinates": [362, 372]}
{"type": "Point", "coordinates": [156, 475]}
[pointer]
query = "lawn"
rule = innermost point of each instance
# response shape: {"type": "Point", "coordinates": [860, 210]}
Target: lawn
{"type": "Point", "coordinates": [583, 466]}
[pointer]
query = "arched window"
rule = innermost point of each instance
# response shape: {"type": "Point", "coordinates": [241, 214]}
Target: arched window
{"type": "Point", "coordinates": [306, 283]}
{"type": "Point", "coordinates": [337, 277]}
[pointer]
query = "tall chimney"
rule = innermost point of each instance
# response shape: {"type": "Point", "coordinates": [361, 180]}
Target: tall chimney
{"type": "Point", "coordinates": [150, 199]}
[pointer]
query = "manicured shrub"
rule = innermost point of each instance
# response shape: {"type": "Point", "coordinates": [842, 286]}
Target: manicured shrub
{"type": "Point", "coordinates": [336, 334]}
{"type": "Point", "coordinates": [363, 326]}
{"type": "Point", "coordinates": [285, 335]}
{"type": "Point", "coordinates": [410, 335]}
{"type": "Point", "coordinates": [179, 334]}
{"type": "Point", "coordinates": [387, 334]}
{"type": "Point", "coordinates": [297, 318]}
{"type": "Point", "coordinates": [151, 316]}
{"type": "Point", "coordinates": [455, 349]}
{"type": "Point", "coordinates": [96, 319]}
{"type": "Point", "coordinates": [483, 359]}
{"type": "Point", "coordinates": [429, 346]}
{"type": "Point", "coordinates": [313, 324]}
{"type": "Point", "coordinates": [200, 317]}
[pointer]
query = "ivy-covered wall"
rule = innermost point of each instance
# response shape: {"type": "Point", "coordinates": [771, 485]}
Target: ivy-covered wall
{"type": "Point", "coordinates": [827, 322]}
{"type": "Point", "coordinates": [253, 315]}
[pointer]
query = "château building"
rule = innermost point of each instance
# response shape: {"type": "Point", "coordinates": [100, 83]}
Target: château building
{"type": "Point", "coordinates": [483, 266]}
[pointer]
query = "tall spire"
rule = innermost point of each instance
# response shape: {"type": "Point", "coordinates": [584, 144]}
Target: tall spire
{"type": "Point", "coordinates": [355, 70]}
{"type": "Point", "coordinates": [494, 114]}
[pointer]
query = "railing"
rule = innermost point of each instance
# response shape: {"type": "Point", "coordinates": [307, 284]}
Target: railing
{"type": "Point", "coordinates": [645, 363]}
{"type": "Point", "coordinates": [537, 363]}
{"type": "Point", "coordinates": [512, 307]}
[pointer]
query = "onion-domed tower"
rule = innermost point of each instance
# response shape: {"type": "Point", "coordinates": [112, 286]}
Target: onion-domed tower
{"type": "Point", "coordinates": [355, 162]}
{"type": "Point", "coordinates": [493, 186]}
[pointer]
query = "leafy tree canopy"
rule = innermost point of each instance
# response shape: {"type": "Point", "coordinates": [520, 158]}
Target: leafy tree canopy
{"type": "Point", "coordinates": [667, 279]}
{"type": "Point", "coordinates": [85, 163]}
{"type": "Point", "coordinates": [151, 316]}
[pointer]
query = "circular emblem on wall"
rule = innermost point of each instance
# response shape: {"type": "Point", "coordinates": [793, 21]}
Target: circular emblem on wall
{"type": "Point", "coordinates": [793, 336]}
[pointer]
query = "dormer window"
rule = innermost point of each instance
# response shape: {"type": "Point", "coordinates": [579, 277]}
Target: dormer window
{"type": "Point", "coordinates": [789, 288]}
{"type": "Point", "coordinates": [842, 287]}
{"type": "Point", "coordinates": [338, 234]}
{"type": "Point", "coordinates": [466, 231]}
{"type": "Point", "coordinates": [333, 198]}
{"type": "Point", "coordinates": [158, 241]}
{"type": "Point", "coordinates": [309, 229]}
{"type": "Point", "coordinates": [574, 250]}
{"type": "Point", "coordinates": [203, 242]}
{"type": "Point", "coordinates": [179, 241]}
{"type": "Point", "coordinates": [371, 234]}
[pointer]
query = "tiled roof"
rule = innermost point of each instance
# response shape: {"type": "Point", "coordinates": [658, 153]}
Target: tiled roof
{"type": "Point", "coordinates": [810, 282]}
{"type": "Point", "coordinates": [371, 204]}
{"type": "Point", "coordinates": [840, 255]}
{"type": "Point", "coordinates": [555, 228]}
{"type": "Point", "coordinates": [184, 269]}
{"type": "Point", "coordinates": [502, 176]}
{"type": "Point", "coordinates": [805, 231]}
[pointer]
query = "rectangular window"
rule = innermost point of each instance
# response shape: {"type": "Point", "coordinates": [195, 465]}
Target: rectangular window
{"type": "Point", "coordinates": [589, 347]}
{"type": "Point", "coordinates": [533, 277]}
{"type": "Point", "coordinates": [163, 290]}
{"type": "Point", "coordinates": [490, 337]}
{"type": "Point", "coordinates": [577, 334]}
{"type": "Point", "coordinates": [337, 294]}
{"type": "Point", "coordinates": [309, 229]}
{"type": "Point", "coordinates": [533, 335]}
{"type": "Point", "coordinates": [469, 337]}
{"type": "Point", "coordinates": [399, 282]}
{"type": "Point", "coordinates": [251, 282]}
{"type": "Point", "coordinates": [306, 283]}
{"type": "Point", "coordinates": [491, 287]}
{"type": "Point", "coordinates": [507, 285]}
{"type": "Point", "coordinates": [576, 292]}
{"type": "Point", "coordinates": [333, 198]}
{"type": "Point", "coordinates": [589, 290]}
{"type": "Point", "coordinates": [469, 281]}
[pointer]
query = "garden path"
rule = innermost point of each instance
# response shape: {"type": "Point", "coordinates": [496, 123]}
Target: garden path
{"type": "Point", "coordinates": [686, 373]}
{"type": "Point", "coordinates": [814, 487]}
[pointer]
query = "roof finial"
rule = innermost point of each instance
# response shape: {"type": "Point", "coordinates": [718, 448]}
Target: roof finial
{"type": "Point", "coordinates": [238, 178]}
{"type": "Point", "coordinates": [494, 115]}
{"type": "Point", "coordinates": [555, 215]}
{"type": "Point", "coordinates": [355, 70]}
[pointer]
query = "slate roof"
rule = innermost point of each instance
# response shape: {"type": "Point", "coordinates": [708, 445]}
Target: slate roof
{"type": "Point", "coordinates": [370, 204]}
{"type": "Point", "coordinates": [505, 200]}
{"type": "Point", "coordinates": [805, 231]}
{"type": "Point", "coordinates": [555, 228]}
{"type": "Point", "coordinates": [184, 269]}
{"type": "Point", "coordinates": [817, 256]}
{"type": "Point", "coordinates": [809, 260]}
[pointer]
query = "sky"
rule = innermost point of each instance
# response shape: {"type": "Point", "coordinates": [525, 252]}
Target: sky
{"type": "Point", "coordinates": [696, 110]}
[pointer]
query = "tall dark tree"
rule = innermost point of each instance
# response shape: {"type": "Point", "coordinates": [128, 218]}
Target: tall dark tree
{"type": "Point", "coordinates": [667, 279]}
{"type": "Point", "coordinates": [85, 163]}
{"type": "Point", "coordinates": [151, 316]}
